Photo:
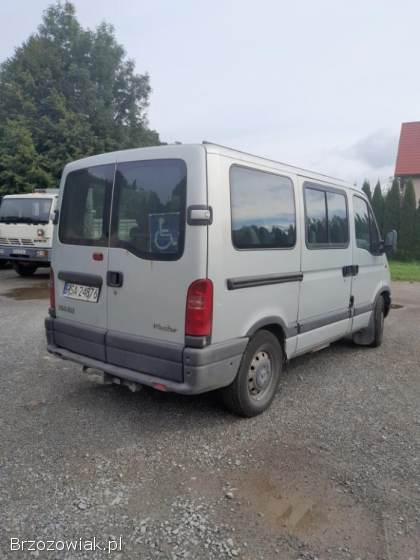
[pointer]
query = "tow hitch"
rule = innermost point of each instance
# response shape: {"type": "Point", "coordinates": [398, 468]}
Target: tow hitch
{"type": "Point", "coordinates": [103, 378]}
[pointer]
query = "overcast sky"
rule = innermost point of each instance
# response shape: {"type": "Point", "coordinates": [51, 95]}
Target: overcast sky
{"type": "Point", "coordinates": [323, 84]}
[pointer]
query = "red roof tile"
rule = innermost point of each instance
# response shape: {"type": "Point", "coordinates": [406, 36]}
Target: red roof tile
{"type": "Point", "coordinates": [408, 158]}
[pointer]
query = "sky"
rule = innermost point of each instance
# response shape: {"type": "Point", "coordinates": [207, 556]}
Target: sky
{"type": "Point", "coordinates": [322, 84]}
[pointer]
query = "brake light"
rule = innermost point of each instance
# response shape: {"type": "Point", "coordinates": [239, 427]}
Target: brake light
{"type": "Point", "coordinates": [52, 291]}
{"type": "Point", "coordinates": [199, 312]}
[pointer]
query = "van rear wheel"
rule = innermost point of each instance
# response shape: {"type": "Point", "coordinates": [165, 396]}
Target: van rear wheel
{"type": "Point", "coordinates": [258, 377]}
{"type": "Point", "coordinates": [25, 269]}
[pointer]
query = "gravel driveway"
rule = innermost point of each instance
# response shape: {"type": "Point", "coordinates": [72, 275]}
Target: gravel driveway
{"type": "Point", "coordinates": [331, 471]}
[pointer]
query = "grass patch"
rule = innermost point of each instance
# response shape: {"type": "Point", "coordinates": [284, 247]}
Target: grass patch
{"type": "Point", "coordinates": [405, 271]}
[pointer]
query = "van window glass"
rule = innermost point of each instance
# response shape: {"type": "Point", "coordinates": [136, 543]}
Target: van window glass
{"type": "Point", "coordinates": [316, 217]}
{"type": "Point", "coordinates": [327, 223]}
{"type": "Point", "coordinates": [263, 209]}
{"type": "Point", "coordinates": [362, 223]}
{"type": "Point", "coordinates": [84, 215]}
{"type": "Point", "coordinates": [149, 210]}
{"type": "Point", "coordinates": [338, 227]}
{"type": "Point", "coordinates": [374, 230]}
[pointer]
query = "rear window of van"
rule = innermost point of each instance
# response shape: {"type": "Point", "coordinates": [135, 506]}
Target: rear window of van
{"type": "Point", "coordinates": [149, 208]}
{"type": "Point", "coordinates": [84, 216]}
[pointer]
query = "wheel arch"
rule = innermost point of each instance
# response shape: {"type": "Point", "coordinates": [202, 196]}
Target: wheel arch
{"type": "Point", "coordinates": [386, 294]}
{"type": "Point", "coordinates": [275, 325]}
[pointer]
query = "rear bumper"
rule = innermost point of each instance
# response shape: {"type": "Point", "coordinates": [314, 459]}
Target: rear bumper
{"type": "Point", "coordinates": [178, 368]}
{"type": "Point", "coordinates": [32, 254]}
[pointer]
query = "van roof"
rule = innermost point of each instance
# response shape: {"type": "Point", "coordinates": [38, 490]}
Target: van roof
{"type": "Point", "coordinates": [224, 150]}
{"type": "Point", "coordinates": [176, 150]}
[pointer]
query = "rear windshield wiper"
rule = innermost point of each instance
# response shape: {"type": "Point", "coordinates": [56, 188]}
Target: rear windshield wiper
{"type": "Point", "coordinates": [10, 219]}
{"type": "Point", "coordinates": [19, 220]}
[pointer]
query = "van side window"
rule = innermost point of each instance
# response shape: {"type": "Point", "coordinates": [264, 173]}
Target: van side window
{"type": "Point", "coordinates": [263, 209]}
{"type": "Point", "coordinates": [84, 213]}
{"type": "Point", "coordinates": [149, 208]}
{"type": "Point", "coordinates": [327, 224]}
{"type": "Point", "coordinates": [338, 227]}
{"type": "Point", "coordinates": [316, 217]}
{"type": "Point", "coordinates": [367, 233]}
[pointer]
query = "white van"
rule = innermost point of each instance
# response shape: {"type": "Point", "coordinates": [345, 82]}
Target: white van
{"type": "Point", "coordinates": [191, 268]}
{"type": "Point", "coordinates": [26, 227]}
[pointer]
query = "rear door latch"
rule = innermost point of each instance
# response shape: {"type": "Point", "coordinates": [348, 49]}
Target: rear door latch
{"type": "Point", "coordinates": [114, 279]}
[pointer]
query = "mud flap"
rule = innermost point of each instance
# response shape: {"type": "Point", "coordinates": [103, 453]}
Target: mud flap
{"type": "Point", "coordinates": [366, 336]}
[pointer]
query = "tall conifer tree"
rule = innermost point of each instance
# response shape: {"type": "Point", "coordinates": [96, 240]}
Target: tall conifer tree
{"type": "Point", "coordinates": [367, 190]}
{"type": "Point", "coordinates": [378, 205]}
{"type": "Point", "coordinates": [392, 211]}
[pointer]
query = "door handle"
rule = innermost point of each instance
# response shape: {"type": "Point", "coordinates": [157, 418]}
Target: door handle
{"type": "Point", "coordinates": [351, 270]}
{"type": "Point", "coordinates": [114, 279]}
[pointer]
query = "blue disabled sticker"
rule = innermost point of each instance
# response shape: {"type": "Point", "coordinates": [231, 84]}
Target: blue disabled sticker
{"type": "Point", "coordinates": [164, 232]}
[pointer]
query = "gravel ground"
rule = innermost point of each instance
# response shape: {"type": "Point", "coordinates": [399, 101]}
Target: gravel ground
{"type": "Point", "coordinates": [331, 471]}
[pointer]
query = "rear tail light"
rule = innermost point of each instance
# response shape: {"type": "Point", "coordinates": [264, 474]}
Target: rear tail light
{"type": "Point", "coordinates": [52, 292]}
{"type": "Point", "coordinates": [199, 312]}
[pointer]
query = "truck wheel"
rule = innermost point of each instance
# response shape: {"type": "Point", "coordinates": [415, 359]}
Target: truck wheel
{"type": "Point", "coordinates": [258, 377]}
{"type": "Point", "coordinates": [25, 269]}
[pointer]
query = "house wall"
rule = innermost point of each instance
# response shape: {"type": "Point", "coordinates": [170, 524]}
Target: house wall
{"type": "Point", "coordinates": [416, 183]}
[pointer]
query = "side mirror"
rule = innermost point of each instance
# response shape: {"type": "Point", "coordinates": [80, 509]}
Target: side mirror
{"type": "Point", "coordinates": [390, 244]}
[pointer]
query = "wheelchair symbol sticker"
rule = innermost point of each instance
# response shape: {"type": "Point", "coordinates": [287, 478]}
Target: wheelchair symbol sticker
{"type": "Point", "coordinates": [164, 232]}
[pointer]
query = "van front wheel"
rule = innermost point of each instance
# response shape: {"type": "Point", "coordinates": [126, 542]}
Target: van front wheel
{"type": "Point", "coordinates": [373, 334]}
{"type": "Point", "coordinates": [258, 377]}
{"type": "Point", "coordinates": [378, 322]}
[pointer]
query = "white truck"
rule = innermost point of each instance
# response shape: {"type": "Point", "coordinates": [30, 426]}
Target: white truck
{"type": "Point", "coordinates": [26, 227]}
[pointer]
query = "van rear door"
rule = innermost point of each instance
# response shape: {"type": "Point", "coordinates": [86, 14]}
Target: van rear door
{"type": "Point", "coordinates": [154, 255]}
{"type": "Point", "coordinates": [80, 258]}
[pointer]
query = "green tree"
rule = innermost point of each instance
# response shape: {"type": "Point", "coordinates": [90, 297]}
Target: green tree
{"type": "Point", "coordinates": [408, 216]}
{"type": "Point", "coordinates": [69, 92]}
{"type": "Point", "coordinates": [378, 205]}
{"type": "Point", "coordinates": [21, 166]}
{"type": "Point", "coordinates": [392, 211]}
{"type": "Point", "coordinates": [366, 189]}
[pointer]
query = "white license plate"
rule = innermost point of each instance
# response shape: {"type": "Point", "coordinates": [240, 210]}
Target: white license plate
{"type": "Point", "coordinates": [19, 252]}
{"type": "Point", "coordinates": [83, 293]}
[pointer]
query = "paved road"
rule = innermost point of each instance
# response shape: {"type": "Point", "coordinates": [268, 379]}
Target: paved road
{"type": "Point", "coordinates": [331, 471]}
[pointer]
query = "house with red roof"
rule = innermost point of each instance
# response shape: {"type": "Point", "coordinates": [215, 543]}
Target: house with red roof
{"type": "Point", "coordinates": [408, 157]}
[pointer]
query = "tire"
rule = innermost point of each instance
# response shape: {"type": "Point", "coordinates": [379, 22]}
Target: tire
{"type": "Point", "coordinates": [256, 383]}
{"type": "Point", "coordinates": [25, 269]}
{"type": "Point", "coordinates": [378, 323]}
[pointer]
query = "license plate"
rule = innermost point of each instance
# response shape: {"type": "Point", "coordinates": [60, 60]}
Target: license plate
{"type": "Point", "coordinates": [19, 252]}
{"type": "Point", "coordinates": [83, 293]}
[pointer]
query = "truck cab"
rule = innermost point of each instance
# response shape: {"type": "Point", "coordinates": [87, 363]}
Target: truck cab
{"type": "Point", "coordinates": [26, 228]}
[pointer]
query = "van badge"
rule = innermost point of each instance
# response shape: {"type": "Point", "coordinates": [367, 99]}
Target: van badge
{"type": "Point", "coordinates": [166, 328]}
{"type": "Point", "coordinates": [66, 308]}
